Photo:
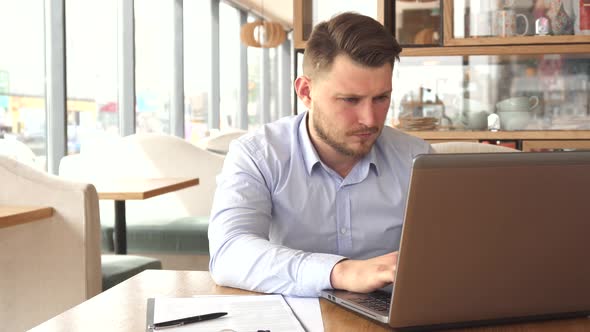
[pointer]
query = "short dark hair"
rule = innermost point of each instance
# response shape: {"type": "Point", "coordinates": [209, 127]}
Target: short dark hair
{"type": "Point", "coordinates": [360, 37]}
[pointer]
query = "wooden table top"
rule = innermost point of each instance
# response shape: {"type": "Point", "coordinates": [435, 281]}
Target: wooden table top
{"type": "Point", "coordinates": [15, 215]}
{"type": "Point", "coordinates": [138, 189]}
{"type": "Point", "coordinates": [123, 307]}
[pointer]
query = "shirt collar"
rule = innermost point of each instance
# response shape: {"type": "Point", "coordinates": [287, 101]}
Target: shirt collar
{"type": "Point", "coordinates": [310, 155]}
{"type": "Point", "coordinates": [371, 158]}
{"type": "Point", "coordinates": [311, 158]}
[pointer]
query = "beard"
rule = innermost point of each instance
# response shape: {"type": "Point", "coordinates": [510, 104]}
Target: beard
{"type": "Point", "coordinates": [337, 139]}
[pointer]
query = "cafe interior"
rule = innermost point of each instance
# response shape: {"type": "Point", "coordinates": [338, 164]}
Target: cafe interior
{"type": "Point", "coordinates": [116, 117]}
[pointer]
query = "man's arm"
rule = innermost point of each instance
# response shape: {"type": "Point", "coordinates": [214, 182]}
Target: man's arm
{"type": "Point", "coordinates": [241, 254]}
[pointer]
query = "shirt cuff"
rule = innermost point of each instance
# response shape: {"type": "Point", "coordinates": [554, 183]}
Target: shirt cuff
{"type": "Point", "coordinates": [315, 273]}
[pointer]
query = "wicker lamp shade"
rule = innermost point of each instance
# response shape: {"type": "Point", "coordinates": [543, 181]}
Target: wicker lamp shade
{"type": "Point", "coordinates": [263, 34]}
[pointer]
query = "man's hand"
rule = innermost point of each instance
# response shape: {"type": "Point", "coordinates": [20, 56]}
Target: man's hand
{"type": "Point", "coordinates": [364, 276]}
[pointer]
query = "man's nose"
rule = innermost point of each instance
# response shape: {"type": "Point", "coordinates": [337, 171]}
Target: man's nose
{"type": "Point", "coordinates": [367, 114]}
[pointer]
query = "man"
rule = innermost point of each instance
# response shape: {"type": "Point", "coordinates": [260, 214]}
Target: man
{"type": "Point", "coordinates": [316, 201]}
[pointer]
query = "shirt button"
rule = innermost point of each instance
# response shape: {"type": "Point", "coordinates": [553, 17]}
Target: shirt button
{"type": "Point", "coordinates": [343, 230]}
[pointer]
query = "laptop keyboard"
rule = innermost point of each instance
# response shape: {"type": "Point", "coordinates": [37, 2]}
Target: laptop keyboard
{"type": "Point", "coordinates": [378, 301]}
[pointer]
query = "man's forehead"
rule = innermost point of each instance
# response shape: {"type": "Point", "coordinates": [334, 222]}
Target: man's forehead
{"type": "Point", "coordinates": [321, 69]}
{"type": "Point", "coordinates": [356, 80]}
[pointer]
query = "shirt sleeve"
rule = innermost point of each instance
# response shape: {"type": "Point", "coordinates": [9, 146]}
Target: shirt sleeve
{"type": "Point", "coordinates": [241, 254]}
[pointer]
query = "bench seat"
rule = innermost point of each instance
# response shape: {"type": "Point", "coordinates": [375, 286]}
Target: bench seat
{"type": "Point", "coordinates": [180, 236]}
{"type": "Point", "coordinates": [118, 268]}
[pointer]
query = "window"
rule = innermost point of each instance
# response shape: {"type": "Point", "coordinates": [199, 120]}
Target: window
{"type": "Point", "coordinates": [254, 85]}
{"type": "Point", "coordinates": [229, 44]}
{"type": "Point", "coordinates": [273, 63]}
{"type": "Point", "coordinates": [300, 106]}
{"type": "Point", "coordinates": [22, 75]}
{"type": "Point", "coordinates": [92, 73]}
{"type": "Point", "coordinates": [154, 50]}
{"type": "Point", "coordinates": [91, 48]}
{"type": "Point", "coordinates": [197, 72]}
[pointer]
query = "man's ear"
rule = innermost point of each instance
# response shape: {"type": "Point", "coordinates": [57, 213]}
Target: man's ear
{"type": "Point", "coordinates": [303, 89]}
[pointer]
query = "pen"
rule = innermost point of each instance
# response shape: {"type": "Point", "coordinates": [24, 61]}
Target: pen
{"type": "Point", "coordinates": [187, 320]}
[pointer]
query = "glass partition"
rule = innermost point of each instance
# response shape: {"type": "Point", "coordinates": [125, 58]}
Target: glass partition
{"type": "Point", "coordinates": [533, 92]}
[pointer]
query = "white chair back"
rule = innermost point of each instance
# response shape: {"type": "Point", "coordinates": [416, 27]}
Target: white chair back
{"type": "Point", "coordinates": [19, 151]}
{"type": "Point", "coordinates": [50, 265]}
{"type": "Point", "coordinates": [151, 156]}
{"type": "Point", "coordinates": [219, 143]}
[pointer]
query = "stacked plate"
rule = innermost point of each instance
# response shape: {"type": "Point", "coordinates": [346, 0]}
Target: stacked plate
{"type": "Point", "coordinates": [417, 123]}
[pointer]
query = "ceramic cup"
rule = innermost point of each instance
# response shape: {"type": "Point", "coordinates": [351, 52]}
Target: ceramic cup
{"type": "Point", "coordinates": [511, 120]}
{"type": "Point", "coordinates": [518, 104]}
{"type": "Point", "coordinates": [504, 23]}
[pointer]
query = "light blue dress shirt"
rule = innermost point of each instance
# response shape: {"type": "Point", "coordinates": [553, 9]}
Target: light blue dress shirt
{"type": "Point", "coordinates": [282, 219]}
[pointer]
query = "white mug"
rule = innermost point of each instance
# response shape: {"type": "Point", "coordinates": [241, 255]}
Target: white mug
{"type": "Point", "coordinates": [519, 104]}
{"type": "Point", "coordinates": [504, 24]}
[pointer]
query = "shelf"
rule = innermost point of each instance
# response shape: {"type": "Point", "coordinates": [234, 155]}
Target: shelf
{"type": "Point", "coordinates": [546, 41]}
{"type": "Point", "coordinates": [526, 45]}
{"type": "Point", "coordinates": [496, 50]}
{"type": "Point", "coordinates": [503, 135]}
{"type": "Point", "coordinates": [525, 40]}
{"type": "Point", "coordinates": [536, 145]}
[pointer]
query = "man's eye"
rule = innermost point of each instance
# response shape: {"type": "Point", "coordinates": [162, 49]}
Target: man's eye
{"type": "Point", "coordinates": [350, 100]}
{"type": "Point", "coordinates": [381, 98]}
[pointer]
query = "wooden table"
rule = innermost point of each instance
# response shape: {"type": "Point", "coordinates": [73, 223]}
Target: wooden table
{"type": "Point", "coordinates": [14, 215]}
{"type": "Point", "coordinates": [123, 307]}
{"type": "Point", "coordinates": [121, 190]}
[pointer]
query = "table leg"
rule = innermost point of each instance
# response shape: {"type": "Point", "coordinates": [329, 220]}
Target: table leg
{"type": "Point", "coordinates": [120, 228]}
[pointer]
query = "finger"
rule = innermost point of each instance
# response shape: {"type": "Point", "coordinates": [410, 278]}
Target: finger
{"type": "Point", "coordinates": [388, 259]}
{"type": "Point", "coordinates": [386, 272]}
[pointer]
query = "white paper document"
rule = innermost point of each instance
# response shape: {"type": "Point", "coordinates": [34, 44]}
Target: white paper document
{"type": "Point", "coordinates": [245, 313]}
{"type": "Point", "coordinates": [308, 312]}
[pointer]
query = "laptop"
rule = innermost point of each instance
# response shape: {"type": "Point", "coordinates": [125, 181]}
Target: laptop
{"type": "Point", "coordinates": [489, 238]}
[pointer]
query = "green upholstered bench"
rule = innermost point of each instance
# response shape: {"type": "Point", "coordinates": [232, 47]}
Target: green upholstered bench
{"type": "Point", "coordinates": [107, 242]}
{"type": "Point", "coordinates": [180, 236]}
{"type": "Point", "coordinates": [183, 236]}
{"type": "Point", "coordinates": [118, 268]}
